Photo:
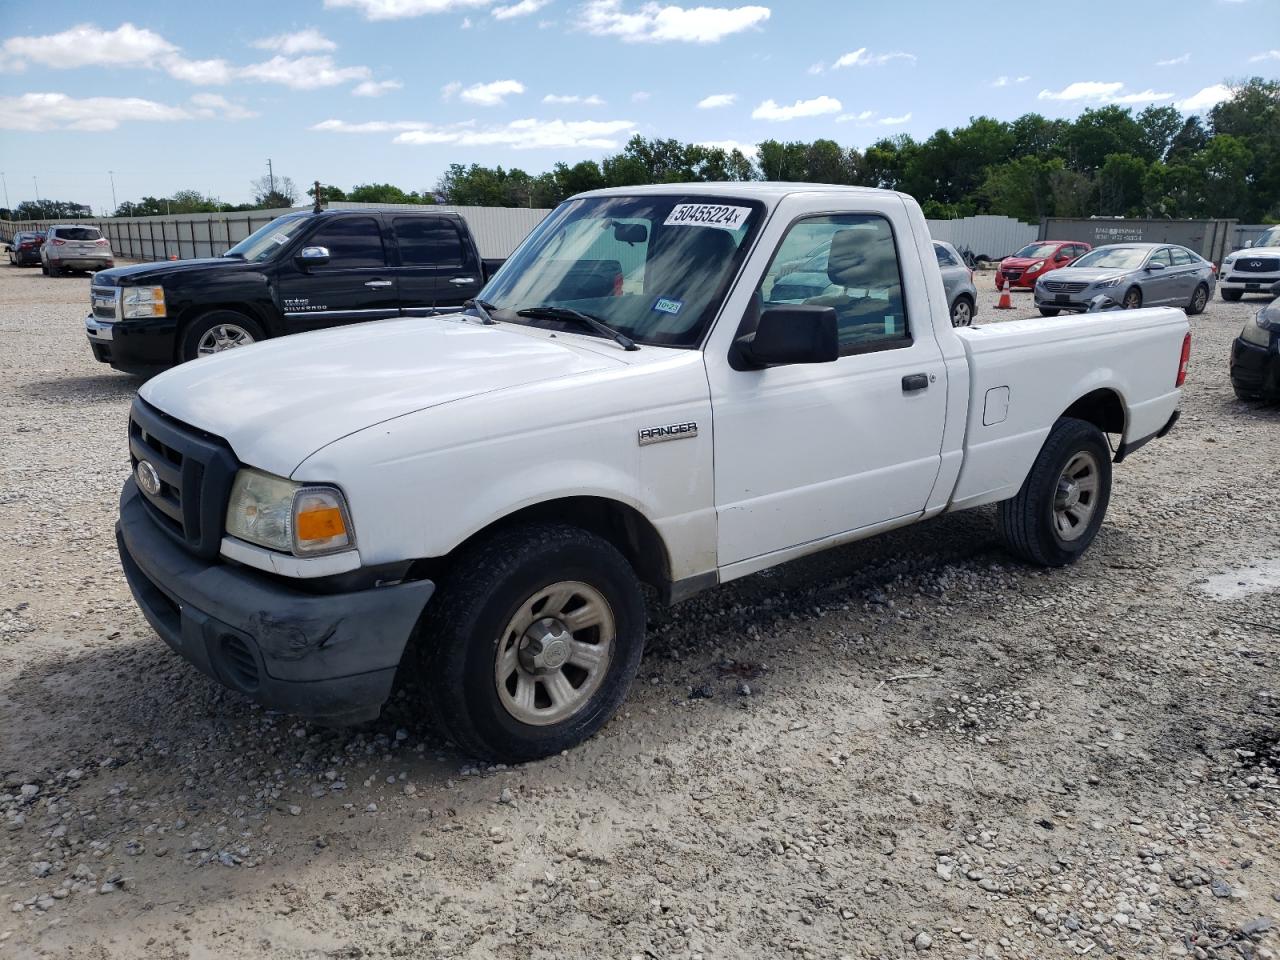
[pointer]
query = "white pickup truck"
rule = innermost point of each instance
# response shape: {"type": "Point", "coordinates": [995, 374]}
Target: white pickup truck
{"type": "Point", "coordinates": [638, 396]}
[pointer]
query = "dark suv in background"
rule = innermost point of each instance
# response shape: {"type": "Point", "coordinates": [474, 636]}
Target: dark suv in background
{"type": "Point", "coordinates": [24, 248]}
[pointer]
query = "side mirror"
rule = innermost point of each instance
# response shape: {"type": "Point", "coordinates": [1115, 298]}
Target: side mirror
{"type": "Point", "coordinates": [312, 257]}
{"type": "Point", "coordinates": [1155, 266]}
{"type": "Point", "coordinates": [787, 335]}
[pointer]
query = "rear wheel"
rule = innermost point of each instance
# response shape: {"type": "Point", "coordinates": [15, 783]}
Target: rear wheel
{"type": "Point", "coordinates": [54, 271]}
{"type": "Point", "coordinates": [1063, 500]}
{"type": "Point", "coordinates": [217, 331]}
{"type": "Point", "coordinates": [1199, 300]}
{"type": "Point", "coordinates": [1132, 299]}
{"type": "Point", "coordinates": [1049, 312]}
{"type": "Point", "coordinates": [532, 642]}
{"type": "Point", "coordinates": [962, 311]}
{"type": "Point", "coordinates": [1231, 296]}
{"type": "Point", "coordinates": [1246, 394]}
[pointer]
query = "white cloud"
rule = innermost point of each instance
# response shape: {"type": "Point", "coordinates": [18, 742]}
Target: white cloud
{"type": "Point", "coordinates": [591, 101]}
{"type": "Point", "coordinates": [1003, 81]}
{"type": "Point", "coordinates": [816, 68]}
{"type": "Point", "coordinates": [450, 90]}
{"type": "Point", "coordinates": [894, 121]}
{"type": "Point", "coordinates": [85, 45]}
{"type": "Point", "coordinates": [1268, 55]}
{"type": "Point", "coordinates": [401, 9]}
{"type": "Point", "coordinates": [862, 117]}
{"type": "Point", "coordinates": [216, 105]}
{"type": "Point", "coordinates": [370, 126]}
{"type": "Point", "coordinates": [769, 110]}
{"type": "Point", "coordinates": [529, 134]}
{"type": "Point", "coordinates": [303, 73]}
{"type": "Point", "coordinates": [749, 150]}
{"type": "Point", "coordinates": [1102, 92]}
{"type": "Point", "coordinates": [640, 96]}
{"type": "Point", "coordinates": [717, 100]}
{"type": "Point", "coordinates": [1204, 99]}
{"type": "Point", "coordinates": [1174, 61]}
{"type": "Point", "coordinates": [658, 23]}
{"type": "Point", "coordinates": [861, 58]}
{"type": "Point", "coordinates": [466, 23]}
{"type": "Point", "coordinates": [521, 9]}
{"type": "Point", "coordinates": [375, 88]}
{"type": "Point", "coordinates": [202, 73]}
{"type": "Point", "coordinates": [309, 40]}
{"type": "Point", "coordinates": [492, 94]}
{"type": "Point", "coordinates": [57, 111]}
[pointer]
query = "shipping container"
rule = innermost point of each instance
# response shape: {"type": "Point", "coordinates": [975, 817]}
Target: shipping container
{"type": "Point", "coordinates": [1212, 239]}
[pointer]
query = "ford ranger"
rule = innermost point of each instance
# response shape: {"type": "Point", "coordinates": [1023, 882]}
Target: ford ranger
{"type": "Point", "coordinates": [635, 398]}
{"type": "Point", "coordinates": [302, 271]}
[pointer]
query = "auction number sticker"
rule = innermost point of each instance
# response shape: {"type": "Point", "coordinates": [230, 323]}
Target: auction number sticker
{"type": "Point", "coordinates": [707, 215]}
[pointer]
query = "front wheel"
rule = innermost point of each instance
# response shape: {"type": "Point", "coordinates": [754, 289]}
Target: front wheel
{"type": "Point", "coordinates": [532, 642]}
{"type": "Point", "coordinates": [1199, 300]}
{"type": "Point", "coordinates": [1049, 312]}
{"type": "Point", "coordinates": [1058, 511]}
{"type": "Point", "coordinates": [962, 312]}
{"type": "Point", "coordinates": [215, 332]}
{"type": "Point", "coordinates": [1132, 299]}
{"type": "Point", "coordinates": [1231, 296]}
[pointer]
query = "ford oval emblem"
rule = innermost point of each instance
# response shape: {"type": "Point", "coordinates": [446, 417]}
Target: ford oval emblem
{"type": "Point", "coordinates": [148, 479]}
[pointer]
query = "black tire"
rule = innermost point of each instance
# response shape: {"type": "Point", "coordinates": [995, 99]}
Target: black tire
{"type": "Point", "coordinates": [468, 619]}
{"type": "Point", "coordinates": [1231, 296]}
{"type": "Point", "coordinates": [1132, 299]}
{"type": "Point", "coordinates": [189, 342]}
{"type": "Point", "coordinates": [1199, 300]}
{"type": "Point", "coordinates": [1246, 394]}
{"type": "Point", "coordinates": [54, 271]}
{"type": "Point", "coordinates": [44, 269]}
{"type": "Point", "coordinates": [1049, 312]}
{"type": "Point", "coordinates": [964, 307]}
{"type": "Point", "coordinates": [1027, 522]}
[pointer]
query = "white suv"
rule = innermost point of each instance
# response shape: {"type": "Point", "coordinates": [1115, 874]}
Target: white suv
{"type": "Point", "coordinates": [71, 247]}
{"type": "Point", "coordinates": [1252, 270]}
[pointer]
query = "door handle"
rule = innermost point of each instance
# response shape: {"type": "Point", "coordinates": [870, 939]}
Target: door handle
{"type": "Point", "coordinates": [378, 284]}
{"type": "Point", "coordinates": [915, 381]}
{"type": "Point", "coordinates": [460, 281]}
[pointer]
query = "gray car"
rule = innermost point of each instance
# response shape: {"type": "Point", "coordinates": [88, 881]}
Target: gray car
{"type": "Point", "coordinates": [962, 295]}
{"type": "Point", "coordinates": [807, 278]}
{"type": "Point", "coordinates": [75, 247]}
{"type": "Point", "coordinates": [1131, 274]}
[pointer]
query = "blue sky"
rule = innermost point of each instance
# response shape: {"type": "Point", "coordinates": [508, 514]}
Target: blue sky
{"type": "Point", "coordinates": [199, 95]}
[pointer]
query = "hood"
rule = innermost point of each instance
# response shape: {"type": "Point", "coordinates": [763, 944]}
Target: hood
{"type": "Point", "coordinates": [1086, 274]}
{"type": "Point", "coordinates": [1020, 263]}
{"type": "Point", "coordinates": [280, 401]}
{"type": "Point", "coordinates": [144, 272]}
{"type": "Point", "coordinates": [1248, 252]}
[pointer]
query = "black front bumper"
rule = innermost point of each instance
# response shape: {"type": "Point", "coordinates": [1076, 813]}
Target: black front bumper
{"type": "Point", "coordinates": [1256, 369]}
{"type": "Point", "coordinates": [330, 657]}
{"type": "Point", "coordinates": [138, 346]}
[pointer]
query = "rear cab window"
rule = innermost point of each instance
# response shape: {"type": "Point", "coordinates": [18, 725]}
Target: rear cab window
{"type": "Point", "coordinates": [428, 242]}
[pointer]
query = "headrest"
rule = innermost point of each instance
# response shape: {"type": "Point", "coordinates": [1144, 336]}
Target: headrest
{"type": "Point", "coordinates": [862, 258]}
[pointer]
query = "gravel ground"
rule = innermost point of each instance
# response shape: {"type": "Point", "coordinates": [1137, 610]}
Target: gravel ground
{"type": "Point", "coordinates": [909, 745]}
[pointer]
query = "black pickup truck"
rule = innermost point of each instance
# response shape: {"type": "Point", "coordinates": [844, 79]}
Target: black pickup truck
{"type": "Point", "coordinates": [302, 271]}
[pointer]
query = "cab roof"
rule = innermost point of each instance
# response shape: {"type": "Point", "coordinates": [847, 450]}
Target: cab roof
{"type": "Point", "coordinates": [769, 192]}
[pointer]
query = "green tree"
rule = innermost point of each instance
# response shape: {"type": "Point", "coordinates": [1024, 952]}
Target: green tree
{"type": "Point", "coordinates": [1159, 127]}
{"type": "Point", "coordinates": [1096, 134]}
{"type": "Point", "coordinates": [1120, 185]}
{"type": "Point", "coordinates": [1021, 188]}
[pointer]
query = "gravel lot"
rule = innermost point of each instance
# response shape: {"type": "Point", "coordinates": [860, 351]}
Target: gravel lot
{"type": "Point", "coordinates": [910, 745]}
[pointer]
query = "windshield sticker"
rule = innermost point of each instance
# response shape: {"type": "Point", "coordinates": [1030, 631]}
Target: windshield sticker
{"type": "Point", "coordinates": [281, 238]}
{"type": "Point", "coordinates": [707, 215]}
{"type": "Point", "coordinates": [668, 305]}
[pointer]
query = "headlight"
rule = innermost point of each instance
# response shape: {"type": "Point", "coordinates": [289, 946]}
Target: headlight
{"type": "Point", "coordinates": [1230, 261]}
{"type": "Point", "coordinates": [143, 302]}
{"type": "Point", "coordinates": [1113, 282]}
{"type": "Point", "coordinates": [279, 514]}
{"type": "Point", "coordinates": [1035, 266]}
{"type": "Point", "coordinates": [1257, 331]}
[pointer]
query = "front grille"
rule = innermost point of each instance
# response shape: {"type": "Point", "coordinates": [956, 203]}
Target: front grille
{"type": "Point", "coordinates": [1064, 286]}
{"type": "Point", "coordinates": [104, 303]}
{"type": "Point", "coordinates": [240, 662]}
{"type": "Point", "coordinates": [1012, 274]}
{"type": "Point", "coordinates": [195, 470]}
{"type": "Point", "coordinates": [1258, 264]}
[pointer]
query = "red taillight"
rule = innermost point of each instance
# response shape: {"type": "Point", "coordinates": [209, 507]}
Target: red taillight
{"type": "Point", "coordinates": [617, 285]}
{"type": "Point", "coordinates": [1184, 360]}
{"type": "Point", "coordinates": [57, 242]}
{"type": "Point", "coordinates": [27, 245]}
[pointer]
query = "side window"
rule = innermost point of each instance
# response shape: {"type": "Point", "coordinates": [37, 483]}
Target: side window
{"type": "Point", "coordinates": [1162, 256]}
{"type": "Point", "coordinates": [1181, 257]}
{"type": "Point", "coordinates": [849, 262]}
{"type": "Point", "coordinates": [428, 242]}
{"type": "Point", "coordinates": [352, 242]}
{"type": "Point", "coordinates": [945, 259]}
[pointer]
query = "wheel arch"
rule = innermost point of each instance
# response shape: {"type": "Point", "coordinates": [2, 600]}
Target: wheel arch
{"type": "Point", "coordinates": [194, 312]}
{"type": "Point", "coordinates": [1103, 407]}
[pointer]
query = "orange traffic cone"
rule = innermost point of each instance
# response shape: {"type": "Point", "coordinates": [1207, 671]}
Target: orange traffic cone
{"type": "Point", "coordinates": [1006, 302]}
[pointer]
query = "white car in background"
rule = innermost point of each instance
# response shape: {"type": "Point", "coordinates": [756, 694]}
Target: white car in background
{"type": "Point", "coordinates": [75, 247]}
{"type": "Point", "coordinates": [1252, 270]}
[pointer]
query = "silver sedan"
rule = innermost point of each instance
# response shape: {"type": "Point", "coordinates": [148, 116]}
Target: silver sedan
{"type": "Point", "coordinates": [1131, 274]}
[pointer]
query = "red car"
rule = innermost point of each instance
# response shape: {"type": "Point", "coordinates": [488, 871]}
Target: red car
{"type": "Point", "coordinates": [1035, 260]}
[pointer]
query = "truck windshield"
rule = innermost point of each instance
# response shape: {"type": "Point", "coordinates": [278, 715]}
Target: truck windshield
{"type": "Point", "coordinates": [1129, 258]}
{"type": "Point", "coordinates": [265, 242]}
{"type": "Point", "coordinates": [1269, 238]}
{"type": "Point", "coordinates": [655, 268]}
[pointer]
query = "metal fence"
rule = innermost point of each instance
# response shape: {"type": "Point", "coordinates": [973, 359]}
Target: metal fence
{"type": "Point", "coordinates": [985, 235]}
{"type": "Point", "coordinates": [498, 230]}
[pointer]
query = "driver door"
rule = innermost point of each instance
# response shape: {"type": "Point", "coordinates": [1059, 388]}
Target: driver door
{"type": "Point", "coordinates": [355, 285]}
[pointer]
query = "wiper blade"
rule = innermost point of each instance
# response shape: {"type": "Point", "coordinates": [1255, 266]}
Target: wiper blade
{"type": "Point", "coordinates": [482, 307]}
{"type": "Point", "coordinates": [586, 319]}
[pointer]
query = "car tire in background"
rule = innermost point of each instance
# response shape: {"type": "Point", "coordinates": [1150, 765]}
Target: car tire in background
{"type": "Point", "coordinates": [553, 589]}
{"type": "Point", "coordinates": [54, 271]}
{"type": "Point", "coordinates": [1049, 312]}
{"type": "Point", "coordinates": [230, 328]}
{"type": "Point", "coordinates": [1231, 296]}
{"type": "Point", "coordinates": [1064, 498]}
{"type": "Point", "coordinates": [1132, 299]}
{"type": "Point", "coordinates": [1199, 300]}
{"type": "Point", "coordinates": [962, 311]}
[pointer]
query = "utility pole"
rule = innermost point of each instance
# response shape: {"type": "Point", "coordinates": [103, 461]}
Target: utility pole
{"type": "Point", "coordinates": [39, 202]}
{"type": "Point", "coordinates": [271, 176]}
{"type": "Point", "coordinates": [318, 207]}
{"type": "Point", "coordinates": [114, 206]}
{"type": "Point", "coordinates": [6, 193]}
